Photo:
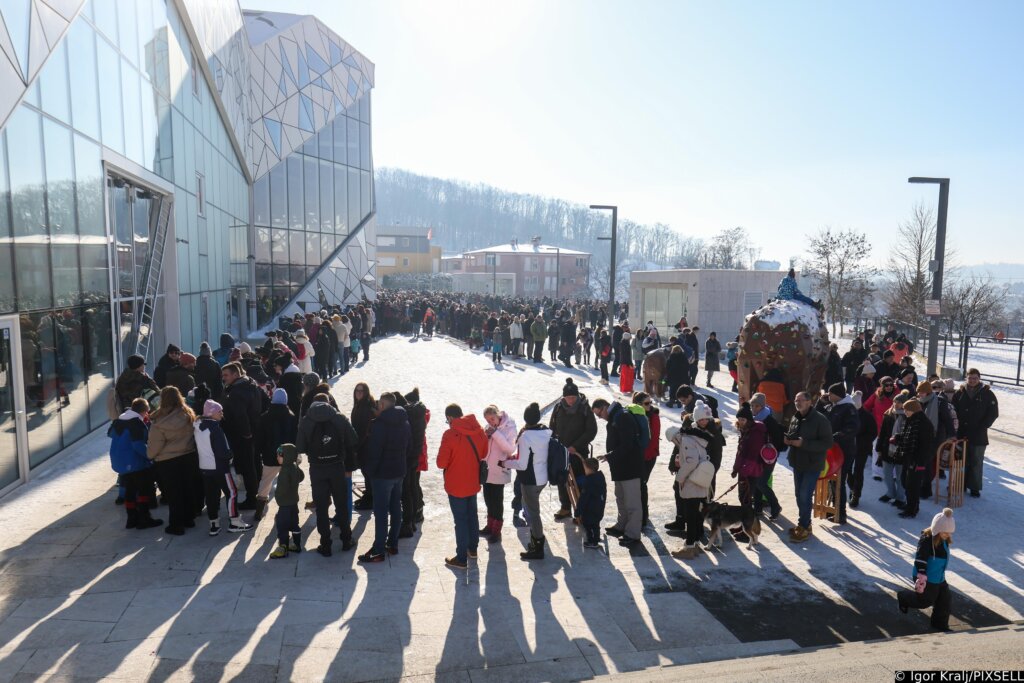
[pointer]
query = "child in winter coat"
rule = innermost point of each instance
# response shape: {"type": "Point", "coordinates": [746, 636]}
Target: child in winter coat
{"type": "Point", "coordinates": [289, 534]}
{"type": "Point", "coordinates": [128, 435]}
{"type": "Point", "coordinates": [593, 495]}
{"type": "Point", "coordinates": [215, 466]}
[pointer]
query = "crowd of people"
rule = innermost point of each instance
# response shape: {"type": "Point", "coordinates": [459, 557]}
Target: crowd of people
{"type": "Point", "coordinates": [237, 417]}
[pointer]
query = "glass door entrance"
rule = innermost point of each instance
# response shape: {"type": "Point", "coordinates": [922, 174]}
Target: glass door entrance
{"type": "Point", "coordinates": [13, 454]}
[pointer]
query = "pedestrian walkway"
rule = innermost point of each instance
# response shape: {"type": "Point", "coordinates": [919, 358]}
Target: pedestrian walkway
{"type": "Point", "coordinates": [82, 597]}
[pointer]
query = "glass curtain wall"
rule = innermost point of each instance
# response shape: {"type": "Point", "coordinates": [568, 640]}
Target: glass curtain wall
{"type": "Point", "coordinates": [306, 206]}
{"type": "Point", "coordinates": [121, 79]}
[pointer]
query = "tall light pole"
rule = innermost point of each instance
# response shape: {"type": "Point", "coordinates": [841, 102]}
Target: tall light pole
{"type": "Point", "coordinates": [614, 241]}
{"type": "Point", "coordinates": [936, 266]}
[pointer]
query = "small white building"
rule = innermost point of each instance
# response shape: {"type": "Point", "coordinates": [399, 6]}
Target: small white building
{"type": "Point", "coordinates": [715, 300]}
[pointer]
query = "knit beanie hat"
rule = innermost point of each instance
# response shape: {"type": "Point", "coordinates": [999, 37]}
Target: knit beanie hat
{"type": "Point", "coordinates": [671, 433]}
{"type": "Point", "coordinates": [745, 412]}
{"type": "Point", "coordinates": [838, 389]}
{"type": "Point", "coordinates": [310, 380]}
{"type": "Point", "coordinates": [173, 348]}
{"type": "Point", "coordinates": [135, 361]}
{"type": "Point", "coordinates": [702, 411]}
{"type": "Point", "coordinates": [244, 348]}
{"type": "Point", "coordinates": [943, 523]}
{"type": "Point", "coordinates": [532, 414]}
{"type": "Point", "coordinates": [570, 388]}
{"type": "Point", "coordinates": [204, 349]}
{"type": "Point", "coordinates": [211, 408]}
{"type": "Point", "coordinates": [280, 397]}
{"type": "Point", "coordinates": [869, 369]}
{"type": "Point", "coordinates": [187, 360]}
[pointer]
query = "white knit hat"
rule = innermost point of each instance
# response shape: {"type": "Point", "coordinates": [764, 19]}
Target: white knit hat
{"type": "Point", "coordinates": [671, 433]}
{"type": "Point", "coordinates": [943, 522]}
{"type": "Point", "coordinates": [868, 368]}
{"type": "Point", "coordinates": [701, 411]}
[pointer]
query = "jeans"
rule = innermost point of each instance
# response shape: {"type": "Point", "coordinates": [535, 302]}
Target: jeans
{"type": "Point", "coordinates": [344, 359]}
{"type": "Point", "coordinates": [975, 467]}
{"type": "Point", "coordinates": [531, 501]}
{"type": "Point", "coordinates": [410, 500]}
{"type": "Point", "coordinates": [466, 532]}
{"type": "Point", "coordinates": [762, 489]}
{"type": "Point", "coordinates": [804, 482]}
{"type": "Point", "coordinates": [892, 475]}
{"type": "Point", "coordinates": [387, 500]}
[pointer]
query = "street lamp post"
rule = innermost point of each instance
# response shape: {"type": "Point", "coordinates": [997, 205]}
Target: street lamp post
{"type": "Point", "coordinates": [613, 238]}
{"type": "Point", "coordinates": [937, 265]}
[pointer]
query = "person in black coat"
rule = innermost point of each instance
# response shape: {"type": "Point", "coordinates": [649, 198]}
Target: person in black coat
{"type": "Point", "coordinates": [208, 372]}
{"type": "Point", "coordinates": [166, 362]}
{"type": "Point", "coordinates": [593, 495]}
{"type": "Point", "coordinates": [412, 495]}
{"type": "Point", "coordinates": [677, 369]}
{"type": "Point", "coordinates": [834, 369]}
{"type": "Point", "coordinates": [977, 410]}
{"type": "Point", "coordinates": [852, 360]}
{"type": "Point", "coordinates": [916, 447]}
{"type": "Point", "coordinates": [626, 461]}
{"type": "Point", "coordinates": [865, 441]}
{"type": "Point", "coordinates": [385, 465]}
{"type": "Point", "coordinates": [616, 346]}
{"type": "Point", "coordinates": [842, 414]}
{"type": "Point", "coordinates": [277, 425]}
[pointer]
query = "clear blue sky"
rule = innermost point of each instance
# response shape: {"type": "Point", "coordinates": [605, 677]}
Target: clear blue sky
{"type": "Point", "coordinates": [778, 116]}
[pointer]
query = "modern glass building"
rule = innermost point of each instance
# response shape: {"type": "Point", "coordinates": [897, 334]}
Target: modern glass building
{"type": "Point", "coordinates": [169, 170]}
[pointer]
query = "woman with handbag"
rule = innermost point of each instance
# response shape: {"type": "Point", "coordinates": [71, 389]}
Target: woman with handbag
{"type": "Point", "coordinates": [501, 444]}
{"type": "Point", "coordinates": [694, 477]}
{"type": "Point", "coordinates": [463, 448]}
{"type": "Point", "coordinates": [930, 587]}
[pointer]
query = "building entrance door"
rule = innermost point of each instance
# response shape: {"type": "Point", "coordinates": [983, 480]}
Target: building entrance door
{"type": "Point", "coordinates": [13, 441]}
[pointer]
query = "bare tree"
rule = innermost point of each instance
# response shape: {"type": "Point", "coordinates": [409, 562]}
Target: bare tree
{"type": "Point", "coordinates": [973, 305]}
{"type": "Point", "coordinates": [728, 250]}
{"type": "Point", "coordinates": [838, 262]}
{"type": "Point", "coordinates": [910, 276]}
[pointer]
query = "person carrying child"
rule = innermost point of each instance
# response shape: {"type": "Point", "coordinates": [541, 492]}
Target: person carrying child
{"type": "Point", "coordinates": [593, 495]}
{"type": "Point", "coordinates": [286, 521]}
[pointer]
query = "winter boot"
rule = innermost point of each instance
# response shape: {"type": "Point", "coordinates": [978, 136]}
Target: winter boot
{"type": "Point", "coordinates": [238, 525]}
{"type": "Point", "coordinates": [296, 543]}
{"type": "Point", "coordinates": [133, 515]}
{"type": "Point", "coordinates": [145, 520]}
{"type": "Point", "coordinates": [486, 530]}
{"type": "Point", "coordinates": [495, 536]}
{"type": "Point", "coordinates": [535, 551]}
{"type": "Point", "coordinates": [279, 552]}
{"type": "Point", "coordinates": [261, 509]}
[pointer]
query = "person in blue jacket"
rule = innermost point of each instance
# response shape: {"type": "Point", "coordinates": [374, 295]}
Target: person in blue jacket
{"type": "Point", "coordinates": [128, 435]}
{"type": "Point", "coordinates": [790, 290]}
{"type": "Point", "coordinates": [593, 494]}
{"type": "Point", "coordinates": [929, 575]}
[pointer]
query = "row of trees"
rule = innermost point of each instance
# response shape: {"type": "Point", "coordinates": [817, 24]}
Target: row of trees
{"type": "Point", "coordinates": [466, 216]}
{"type": "Point", "coordinates": [839, 261]}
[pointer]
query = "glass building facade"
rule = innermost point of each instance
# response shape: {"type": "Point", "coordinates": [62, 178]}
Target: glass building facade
{"type": "Point", "coordinates": [151, 186]}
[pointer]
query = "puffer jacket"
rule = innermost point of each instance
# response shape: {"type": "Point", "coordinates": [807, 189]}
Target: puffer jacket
{"type": "Point", "coordinates": [289, 477]}
{"type": "Point", "coordinates": [457, 458]}
{"type": "Point", "coordinates": [653, 446]}
{"type": "Point", "coordinates": [693, 448]}
{"type": "Point", "coordinates": [243, 404]}
{"type": "Point", "coordinates": [128, 434]}
{"type": "Point", "coordinates": [212, 445]}
{"type": "Point", "coordinates": [532, 455]}
{"type": "Point", "coordinates": [501, 443]}
{"type": "Point", "coordinates": [171, 436]}
{"type": "Point", "coordinates": [278, 425]}
{"type": "Point", "coordinates": [388, 449]}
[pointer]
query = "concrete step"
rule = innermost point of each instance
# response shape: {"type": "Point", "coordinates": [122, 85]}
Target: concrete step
{"type": "Point", "coordinates": [997, 647]}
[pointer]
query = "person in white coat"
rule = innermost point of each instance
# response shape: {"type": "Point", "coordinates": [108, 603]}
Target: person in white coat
{"type": "Point", "coordinates": [531, 461]}
{"type": "Point", "coordinates": [343, 329]}
{"type": "Point", "coordinates": [306, 352]}
{"type": "Point", "coordinates": [501, 444]}
{"type": "Point", "coordinates": [692, 444]}
{"type": "Point", "coordinates": [516, 332]}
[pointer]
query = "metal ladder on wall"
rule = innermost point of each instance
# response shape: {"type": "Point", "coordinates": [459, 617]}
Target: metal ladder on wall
{"type": "Point", "coordinates": [154, 269]}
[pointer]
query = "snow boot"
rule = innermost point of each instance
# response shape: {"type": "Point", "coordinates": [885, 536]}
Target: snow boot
{"type": "Point", "coordinates": [495, 536]}
{"type": "Point", "coordinates": [133, 515]}
{"type": "Point", "coordinates": [535, 551]}
{"type": "Point", "coordinates": [145, 520]}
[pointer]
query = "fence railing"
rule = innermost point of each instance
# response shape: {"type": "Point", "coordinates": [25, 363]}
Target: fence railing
{"type": "Point", "coordinates": [998, 360]}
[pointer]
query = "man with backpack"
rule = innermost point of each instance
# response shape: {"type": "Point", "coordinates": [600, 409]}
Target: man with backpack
{"type": "Point", "coordinates": [628, 436]}
{"type": "Point", "coordinates": [329, 441]}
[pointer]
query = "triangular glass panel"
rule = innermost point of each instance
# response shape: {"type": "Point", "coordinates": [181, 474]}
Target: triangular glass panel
{"type": "Point", "coordinates": [287, 65]}
{"type": "Point", "coordinates": [305, 113]}
{"type": "Point", "coordinates": [335, 53]}
{"type": "Point", "coordinates": [16, 16]}
{"type": "Point", "coordinates": [274, 131]}
{"type": "Point", "coordinates": [316, 62]}
{"type": "Point", "coordinates": [303, 71]}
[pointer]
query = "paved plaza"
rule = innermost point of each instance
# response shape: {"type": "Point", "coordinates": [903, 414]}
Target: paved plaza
{"type": "Point", "coordinates": [81, 598]}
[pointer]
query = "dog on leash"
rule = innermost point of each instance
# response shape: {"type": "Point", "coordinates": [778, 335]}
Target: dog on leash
{"type": "Point", "coordinates": [721, 515]}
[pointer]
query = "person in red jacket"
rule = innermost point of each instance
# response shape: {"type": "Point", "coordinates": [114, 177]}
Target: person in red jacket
{"type": "Point", "coordinates": [463, 446]}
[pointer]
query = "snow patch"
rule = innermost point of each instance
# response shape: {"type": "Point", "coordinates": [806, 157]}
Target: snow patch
{"type": "Point", "coordinates": [781, 312]}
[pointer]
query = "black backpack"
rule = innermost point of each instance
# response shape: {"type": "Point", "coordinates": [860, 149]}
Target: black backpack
{"type": "Point", "coordinates": [558, 462]}
{"type": "Point", "coordinates": [325, 444]}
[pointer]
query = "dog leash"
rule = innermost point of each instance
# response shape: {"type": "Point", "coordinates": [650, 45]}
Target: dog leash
{"type": "Point", "coordinates": [725, 492]}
